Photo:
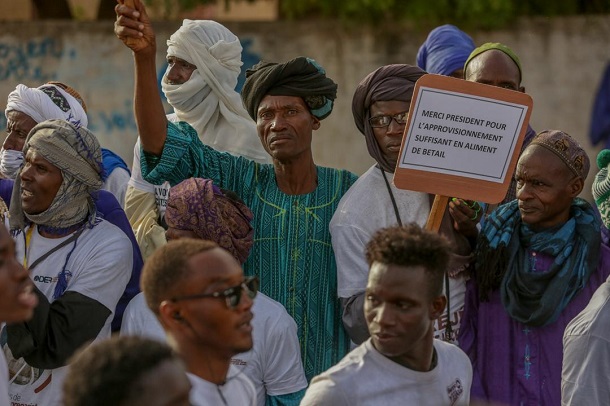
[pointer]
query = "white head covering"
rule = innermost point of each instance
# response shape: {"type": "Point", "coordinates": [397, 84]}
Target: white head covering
{"type": "Point", "coordinates": [47, 102]}
{"type": "Point", "coordinates": [208, 100]}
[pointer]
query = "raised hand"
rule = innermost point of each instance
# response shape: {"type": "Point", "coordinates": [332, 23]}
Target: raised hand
{"type": "Point", "coordinates": [133, 26]}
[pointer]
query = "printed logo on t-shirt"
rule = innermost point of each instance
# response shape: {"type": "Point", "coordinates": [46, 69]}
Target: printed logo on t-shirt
{"type": "Point", "coordinates": [441, 330]}
{"type": "Point", "coordinates": [52, 279]}
{"type": "Point", "coordinates": [454, 391]}
{"type": "Point", "coordinates": [161, 196]}
{"type": "Point", "coordinates": [238, 362]}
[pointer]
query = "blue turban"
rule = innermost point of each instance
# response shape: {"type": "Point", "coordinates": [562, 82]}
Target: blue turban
{"type": "Point", "coordinates": [445, 50]}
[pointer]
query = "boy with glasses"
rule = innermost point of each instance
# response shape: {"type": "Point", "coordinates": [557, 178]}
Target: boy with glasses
{"type": "Point", "coordinates": [197, 208]}
{"type": "Point", "coordinates": [198, 292]}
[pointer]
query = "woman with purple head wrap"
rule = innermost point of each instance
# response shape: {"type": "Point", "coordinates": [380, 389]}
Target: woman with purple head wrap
{"type": "Point", "coordinates": [199, 206]}
{"type": "Point", "coordinates": [445, 51]}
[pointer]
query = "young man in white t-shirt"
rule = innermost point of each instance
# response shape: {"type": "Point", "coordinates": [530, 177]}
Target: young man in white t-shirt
{"type": "Point", "coordinates": [402, 363]}
{"type": "Point", "coordinates": [17, 298]}
{"type": "Point", "coordinates": [198, 292]}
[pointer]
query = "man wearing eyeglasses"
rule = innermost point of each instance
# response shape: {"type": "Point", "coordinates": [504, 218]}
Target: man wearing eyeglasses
{"type": "Point", "coordinates": [380, 107]}
{"type": "Point", "coordinates": [196, 208]}
{"type": "Point", "coordinates": [199, 294]}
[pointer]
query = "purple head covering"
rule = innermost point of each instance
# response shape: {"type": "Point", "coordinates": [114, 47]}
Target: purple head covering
{"type": "Point", "coordinates": [445, 50]}
{"type": "Point", "coordinates": [198, 205]}
{"type": "Point", "coordinates": [566, 148]}
{"type": "Point", "coordinates": [390, 82]}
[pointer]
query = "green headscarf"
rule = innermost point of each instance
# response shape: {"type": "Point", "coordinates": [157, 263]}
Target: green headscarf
{"type": "Point", "coordinates": [488, 46]}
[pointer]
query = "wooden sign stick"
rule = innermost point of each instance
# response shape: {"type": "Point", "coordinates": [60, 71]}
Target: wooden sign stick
{"type": "Point", "coordinates": [436, 213]}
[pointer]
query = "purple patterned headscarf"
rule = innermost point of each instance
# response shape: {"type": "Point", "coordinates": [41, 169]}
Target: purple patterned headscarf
{"type": "Point", "coordinates": [390, 82]}
{"type": "Point", "coordinates": [198, 205]}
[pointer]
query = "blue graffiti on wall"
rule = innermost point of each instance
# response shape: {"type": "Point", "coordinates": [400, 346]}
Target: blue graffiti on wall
{"type": "Point", "coordinates": [23, 61]}
{"type": "Point", "coordinates": [121, 119]}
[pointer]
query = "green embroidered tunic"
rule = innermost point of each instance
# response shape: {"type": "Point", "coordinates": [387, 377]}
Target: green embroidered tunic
{"type": "Point", "coordinates": [292, 253]}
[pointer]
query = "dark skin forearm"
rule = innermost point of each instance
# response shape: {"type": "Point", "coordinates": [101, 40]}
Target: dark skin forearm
{"type": "Point", "coordinates": [134, 28]}
{"type": "Point", "coordinates": [148, 108]}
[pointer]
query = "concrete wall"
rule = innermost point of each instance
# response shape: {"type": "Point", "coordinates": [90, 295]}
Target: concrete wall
{"type": "Point", "coordinates": [563, 60]}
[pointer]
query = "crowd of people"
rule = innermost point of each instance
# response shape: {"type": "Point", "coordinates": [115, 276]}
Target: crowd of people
{"type": "Point", "coordinates": [225, 267]}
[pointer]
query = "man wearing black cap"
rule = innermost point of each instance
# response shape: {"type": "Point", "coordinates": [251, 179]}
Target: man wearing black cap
{"type": "Point", "coordinates": [292, 200]}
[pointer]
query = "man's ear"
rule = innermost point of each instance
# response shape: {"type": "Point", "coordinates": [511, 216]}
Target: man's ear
{"type": "Point", "coordinates": [169, 315]}
{"type": "Point", "coordinates": [575, 186]}
{"type": "Point", "coordinates": [316, 122]}
{"type": "Point", "coordinates": [437, 306]}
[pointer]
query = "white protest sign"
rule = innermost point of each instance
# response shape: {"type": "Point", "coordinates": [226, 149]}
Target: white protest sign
{"type": "Point", "coordinates": [462, 139]}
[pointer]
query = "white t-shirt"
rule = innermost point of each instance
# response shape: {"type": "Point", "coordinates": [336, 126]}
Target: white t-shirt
{"type": "Point", "coordinates": [366, 377]}
{"type": "Point", "coordinates": [363, 210]}
{"type": "Point", "coordinates": [137, 181]}
{"type": "Point", "coordinates": [99, 268]}
{"type": "Point", "coordinates": [4, 399]}
{"type": "Point", "coordinates": [237, 391]}
{"type": "Point", "coordinates": [586, 347]}
{"type": "Point", "coordinates": [116, 183]}
{"type": "Point", "coordinates": [273, 364]}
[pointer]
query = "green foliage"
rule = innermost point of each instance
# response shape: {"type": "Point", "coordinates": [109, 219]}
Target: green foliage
{"type": "Point", "coordinates": [485, 14]}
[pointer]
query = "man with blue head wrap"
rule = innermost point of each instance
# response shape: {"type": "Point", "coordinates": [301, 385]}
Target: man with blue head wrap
{"type": "Point", "coordinates": [292, 199]}
{"type": "Point", "coordinates": [445, 51]}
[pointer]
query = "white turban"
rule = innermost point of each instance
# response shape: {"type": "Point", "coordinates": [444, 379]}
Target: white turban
{"type": "Point", "coordinates": [208, 100]}
{"type": "Point", "coordinates": [47, 102]}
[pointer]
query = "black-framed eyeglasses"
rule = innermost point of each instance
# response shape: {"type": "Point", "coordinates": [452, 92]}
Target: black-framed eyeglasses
{"type": "Point", "coordinates": [231, 295]}
{"type": "Point", "coordinates": [385, 120]}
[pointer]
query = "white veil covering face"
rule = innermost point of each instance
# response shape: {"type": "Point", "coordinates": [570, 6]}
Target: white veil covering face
{"type": "Point", "coordinates": [208, 100]}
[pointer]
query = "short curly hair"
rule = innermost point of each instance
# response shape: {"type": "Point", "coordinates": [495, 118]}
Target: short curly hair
{"type": "Point", "coordinates": [410, 245]}
{"type": "Point", "coordinates": [108, 372]}
{"type": "Point", "coordinates": [166, 268]}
